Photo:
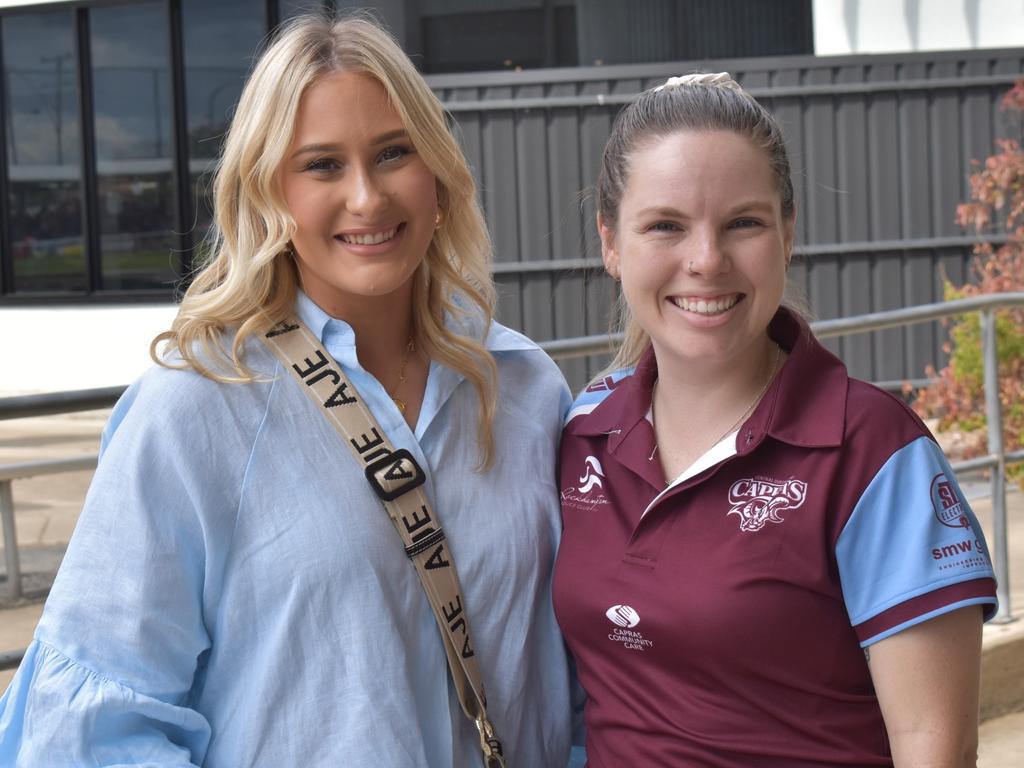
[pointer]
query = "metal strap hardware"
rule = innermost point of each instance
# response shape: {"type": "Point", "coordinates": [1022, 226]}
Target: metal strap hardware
{"type": "Point", "coordinates": [394, 474]}
{"type": "Point", "coordinates": [397, 480]}
{"type": "Point", "coordinates": [490, 746]}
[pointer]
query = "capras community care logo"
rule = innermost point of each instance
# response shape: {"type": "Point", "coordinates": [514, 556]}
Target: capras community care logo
{"type": "Point", "coordinates": [625, 619]}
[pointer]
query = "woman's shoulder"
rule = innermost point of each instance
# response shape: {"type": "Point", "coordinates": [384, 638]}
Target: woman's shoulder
{"type": "Point", "coordinates": [878, 415]}
{"type": "Point", "coordinates": [513, 350]}
{"type": "Point", "coordinates": [175, 396]}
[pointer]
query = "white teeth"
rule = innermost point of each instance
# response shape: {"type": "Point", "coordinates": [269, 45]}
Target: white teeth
{"type": "Point", "coordinates": [376, 238]}
{"type": "Point", "coordinates": [707, 306]}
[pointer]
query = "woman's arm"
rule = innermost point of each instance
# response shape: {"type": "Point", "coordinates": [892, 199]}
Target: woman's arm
{"type": "Point", "coordinates": [927, 678]}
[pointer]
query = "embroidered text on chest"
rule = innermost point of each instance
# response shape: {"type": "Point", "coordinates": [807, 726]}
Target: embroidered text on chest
{"type": "Point", "coordinates": [760, 500]}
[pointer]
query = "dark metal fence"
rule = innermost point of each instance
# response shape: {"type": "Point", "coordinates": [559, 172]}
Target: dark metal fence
{"type": "Point", "coordinates": [881, 147]}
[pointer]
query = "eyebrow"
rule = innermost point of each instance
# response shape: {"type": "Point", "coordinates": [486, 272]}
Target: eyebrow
{"type": "Point", "coordinates": [752, 205]}
{"type": "Point", "coordinates": [660, 210]}
{"type": "Point", "coordinates": [744, 207]}
{"type": "Point", "coordinates": [383, 138]}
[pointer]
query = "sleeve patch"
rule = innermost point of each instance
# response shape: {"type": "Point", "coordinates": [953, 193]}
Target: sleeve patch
{"type": "Point", "coordinates": [910, 534]}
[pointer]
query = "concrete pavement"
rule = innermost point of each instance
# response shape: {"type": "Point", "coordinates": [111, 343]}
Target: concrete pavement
{"type": "Point", "coordinates": [46, 509]}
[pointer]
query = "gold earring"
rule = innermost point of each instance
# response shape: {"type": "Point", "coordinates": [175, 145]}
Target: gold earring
{"type": "Point", "coordinates": [439, 219]}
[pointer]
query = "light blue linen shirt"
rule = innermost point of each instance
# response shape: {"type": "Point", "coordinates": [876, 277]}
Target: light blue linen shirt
{"type": "Point", "coordinates": [235, 595]}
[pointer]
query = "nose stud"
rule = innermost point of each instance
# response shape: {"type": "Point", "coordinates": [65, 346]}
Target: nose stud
{"type": "Point", "coordinates": [689, 266]}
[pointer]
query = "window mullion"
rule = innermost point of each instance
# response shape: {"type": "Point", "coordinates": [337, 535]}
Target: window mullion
{"type": "Point", "coordinates": [182, 174]}
{"type": "Point", "coordinates": [6, 254]}
{"type": "Point", "coordinates": [90, 208]}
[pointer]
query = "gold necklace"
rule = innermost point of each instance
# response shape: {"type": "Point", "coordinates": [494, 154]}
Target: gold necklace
{"type": "Point", "coordinates": [749, 408]}
{"type": "Point", "coordinates": [757, 398]}
{"type": "Point", "coordinates": [410, 347]}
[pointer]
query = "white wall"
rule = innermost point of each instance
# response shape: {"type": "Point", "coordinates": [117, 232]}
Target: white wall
{"type": "Point", "coordinates": [12, 3]}
{"type": "Point", "coordinates": [52, 349]}
{"type": "Point", "coordinates": [889, 26]}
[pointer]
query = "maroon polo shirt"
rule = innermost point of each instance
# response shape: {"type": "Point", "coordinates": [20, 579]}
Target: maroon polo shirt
{"type": "Point", "coordinates": [725, 626]}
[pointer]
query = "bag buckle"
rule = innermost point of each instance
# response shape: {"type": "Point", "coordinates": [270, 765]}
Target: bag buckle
{"type": "Point", "coordinates": [494, 756]}
{"type": "Point", "coordinates": [395, 474]}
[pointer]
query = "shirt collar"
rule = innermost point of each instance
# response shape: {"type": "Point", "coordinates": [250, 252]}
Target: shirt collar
{"type": "Point", "coordinates": [804, 406]}
{"type": "Point", "coordinates": [324, 327]}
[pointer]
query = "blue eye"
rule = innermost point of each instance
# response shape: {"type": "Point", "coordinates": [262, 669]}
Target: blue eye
{"type": "Point", "coordinates": [391, 154]}
{"type": "Point", "coordinates": [663, 226]}
{"type": "Point", "coordinates": [321, 165]}
{"type": "Point", "coordinates": [746, 223]}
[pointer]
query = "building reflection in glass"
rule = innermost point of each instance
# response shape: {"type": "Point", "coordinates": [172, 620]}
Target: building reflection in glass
{"type": "Point", "coordinates": [220, 41]}
{"type": "Point", "coordinates": [43, 151]}
{"type": "Point", "coordinates": [134, 145]}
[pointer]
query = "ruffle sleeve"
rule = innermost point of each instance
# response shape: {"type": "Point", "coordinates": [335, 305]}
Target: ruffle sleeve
{"type": "Point", "coordinates": [59, 713]}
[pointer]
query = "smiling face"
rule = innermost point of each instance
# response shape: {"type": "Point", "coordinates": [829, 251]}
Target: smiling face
{"type": "Point", "coordinates": [701, 246]}
{"type": "Point", "coordinates": [363, 200]}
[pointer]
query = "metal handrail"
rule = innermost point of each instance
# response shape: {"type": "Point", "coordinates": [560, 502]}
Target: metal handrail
{"type": "Point", "coordinates": [996, 459]}
{"type": "Point", "coordinates": [51, 403]}
{"type": "Point", "coordinates": [28, 469]}
{"type": "Point", "coordinates": [11, 659]}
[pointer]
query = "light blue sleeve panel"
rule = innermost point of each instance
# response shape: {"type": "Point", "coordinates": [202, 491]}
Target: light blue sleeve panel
{"type": "Point", "coordinates": [910, 534]}
{"type": "Point", "coordinates": [596, 392]}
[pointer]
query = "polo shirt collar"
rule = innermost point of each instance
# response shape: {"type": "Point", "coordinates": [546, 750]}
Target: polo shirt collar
{"type": "Point", "coordinates": [626, 406]}
{"type": "Point", "coordinates": [804, 406]}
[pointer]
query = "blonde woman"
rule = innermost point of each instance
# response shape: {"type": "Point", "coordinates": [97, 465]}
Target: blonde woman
{"type": "Point", "coordinates": [234, 593]}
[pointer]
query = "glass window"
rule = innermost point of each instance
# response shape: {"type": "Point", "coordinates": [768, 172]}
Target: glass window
{"type": "Point", "coordinates": [612, 32]}
{"type": "Point", "coordinates": [134, 145]}
{"type": "Point", "coordinates": [43, 153]}
{"type": "Point", "coordinates": [462, 36]}
{"type": "Point", "coordinates": [286, 9]}
{"type": "Point", "coordinates": [220, 41]}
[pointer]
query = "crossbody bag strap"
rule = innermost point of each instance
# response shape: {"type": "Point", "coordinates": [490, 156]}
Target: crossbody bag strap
{"type": "Point", "coordinates": [397, 479]}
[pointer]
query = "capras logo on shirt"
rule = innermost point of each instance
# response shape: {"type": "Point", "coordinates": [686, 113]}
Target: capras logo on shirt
{"type": "Point", "coordinates": [759, 500]}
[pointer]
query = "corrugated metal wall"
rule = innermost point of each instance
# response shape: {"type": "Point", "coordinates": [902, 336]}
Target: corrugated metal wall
{"type": "Point", "coordinates": [881, 148]}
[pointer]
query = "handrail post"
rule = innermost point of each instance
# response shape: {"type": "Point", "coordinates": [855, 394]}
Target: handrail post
{"type": "Point", "coordinates": [10, 541]}
{"type": "Point", "coordinates": [994, 421]}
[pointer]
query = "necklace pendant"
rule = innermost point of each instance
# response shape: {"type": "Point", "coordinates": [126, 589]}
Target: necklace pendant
{"type": "Point", "coordinates": [400, 403]}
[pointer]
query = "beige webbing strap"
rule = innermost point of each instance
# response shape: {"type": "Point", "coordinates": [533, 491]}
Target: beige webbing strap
{"type": "Point", "coordinates": [397, 479]}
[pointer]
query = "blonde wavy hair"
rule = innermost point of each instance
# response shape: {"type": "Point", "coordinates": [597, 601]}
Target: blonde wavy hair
{"type": "Point", "coordinates": [250, 279]}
